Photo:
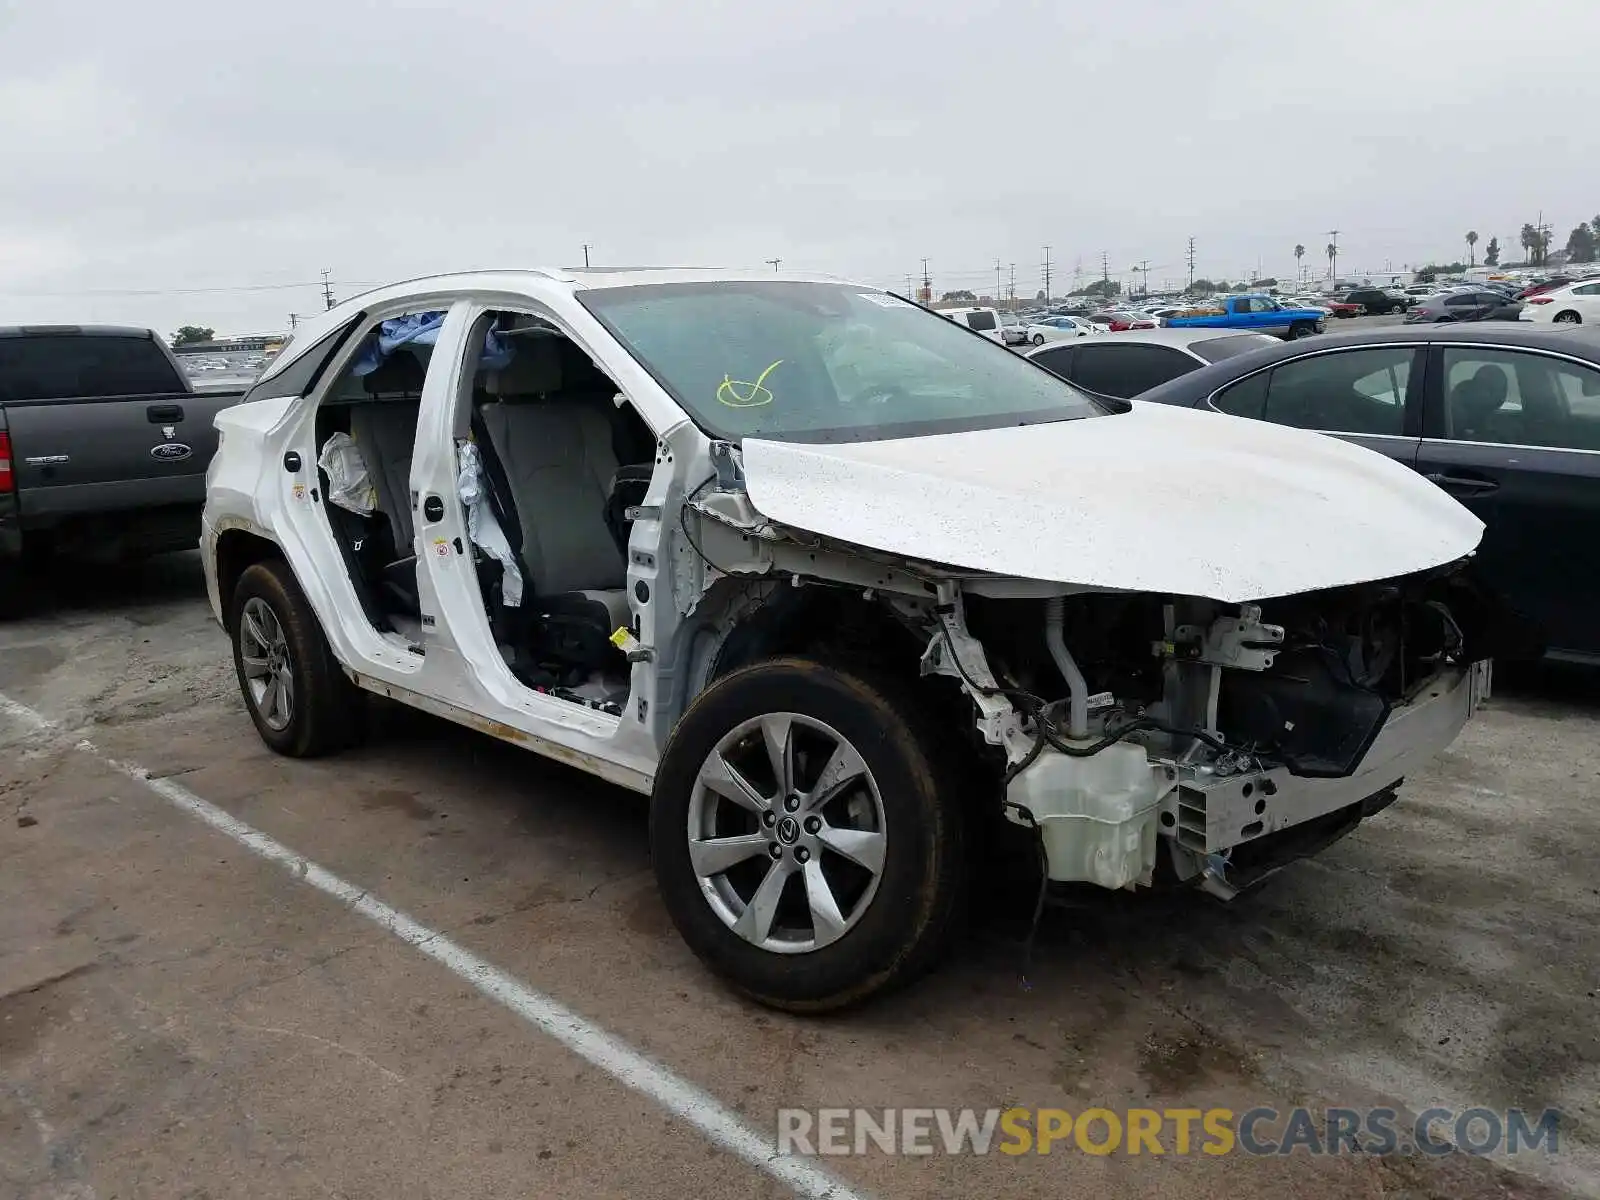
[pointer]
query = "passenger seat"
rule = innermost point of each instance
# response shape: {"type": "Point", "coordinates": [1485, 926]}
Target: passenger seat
{"type": "Point", "coordinates": [556, 453]}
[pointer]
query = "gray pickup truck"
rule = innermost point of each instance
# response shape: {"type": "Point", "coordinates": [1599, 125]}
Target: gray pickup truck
{"type": "Point", "coordinates": [103, 447]}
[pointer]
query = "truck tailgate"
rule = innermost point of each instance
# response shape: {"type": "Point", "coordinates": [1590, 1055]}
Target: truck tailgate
{"type": "Point", "coordinates": [101, 454]}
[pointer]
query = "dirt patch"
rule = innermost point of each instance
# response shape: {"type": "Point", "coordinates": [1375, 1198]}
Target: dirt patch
{"type": "Point", "coordinates": [395, 800]}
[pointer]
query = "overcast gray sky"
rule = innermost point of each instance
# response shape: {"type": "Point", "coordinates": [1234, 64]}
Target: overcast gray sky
{"type": "Point", "coordinates": [161, 145]}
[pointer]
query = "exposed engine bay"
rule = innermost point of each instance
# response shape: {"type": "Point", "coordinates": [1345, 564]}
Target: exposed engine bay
{"type": "Point", "coordinates": [1137, 721]}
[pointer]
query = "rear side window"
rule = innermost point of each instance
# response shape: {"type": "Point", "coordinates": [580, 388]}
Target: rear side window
{"type": "Point", "coordinates": [1057, 360]}
{"type": "Point", "coordinates": [1126, 370]}
{"type": "Point", "coordinates": [56, 365]}
{"type": "Point", "coordinates": [1351, 391]}
{"type": "Point", "coordinates": [1247, 398]}
{"type": "Point", "coordinates": [300, 376]}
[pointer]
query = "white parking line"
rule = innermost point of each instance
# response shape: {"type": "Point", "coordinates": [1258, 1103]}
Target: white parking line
{"type": "Point", "coordinates": [589, 1041]}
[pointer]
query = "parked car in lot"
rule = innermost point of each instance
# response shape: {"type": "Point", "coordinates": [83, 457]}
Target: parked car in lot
{"type": "Point", "coordinates": [986, 321]}
{"type": "Point", "coordinates": [1125, 364]}
{"type": "Point", "coordinates": [1055, 329]}
{"type": "Point", "coordinates": [1474, 304]}
{"type": "Point", "coordinates": [1256, 313]}
{"type": "Point", "coordinates": [1120, 320]}
{"type": "Point", "coordinates": [1503, 417]}
{"type": "Point", "coordinates": [1375, 301]}
{"type": "Point", "coordinates": [103, 447]}
{"type": "Point", "coordinates": [1345, 309]}
{"type": "Point", "coordinates": [1565, 304]}
{"type": "Point", "coordinates": [829, 580]}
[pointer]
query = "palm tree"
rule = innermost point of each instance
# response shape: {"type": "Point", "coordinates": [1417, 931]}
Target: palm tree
{"type": "Point", "coordinates": [1472, 240]}
{"type": "Point", "coordinates": [1333, 260]}
{"type": "Point", "coordinates": [1530, 243]}
{"type": "Point", "coordinates": [1299, 253]}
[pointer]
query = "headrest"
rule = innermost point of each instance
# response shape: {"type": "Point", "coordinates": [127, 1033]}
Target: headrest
{"type": "Point", "coordinates": [534, 369]}
{"type": "Point", "coordinates": [402, 372]}
{"type": "Point", "coordinates": [1479, 398]}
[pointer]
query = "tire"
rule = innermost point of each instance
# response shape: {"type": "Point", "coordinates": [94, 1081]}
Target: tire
{"type": "Point", "coordinates": [885, 930]}
{"type": "Point", "coordinates": [1300, 329]}
{"type": "Point", "coordinates": [1038, 339]}
{"type": "Point", "coordinates": [1567, 317]}
{"type": "Point", "coordinates": [271, 622]}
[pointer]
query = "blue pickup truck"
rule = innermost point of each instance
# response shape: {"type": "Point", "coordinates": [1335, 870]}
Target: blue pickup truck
{"type": "Point", "coordinates": [1257, 314]}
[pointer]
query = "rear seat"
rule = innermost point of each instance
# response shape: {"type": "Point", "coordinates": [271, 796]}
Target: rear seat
{"type": "Point", "coordinates": [385, 429]}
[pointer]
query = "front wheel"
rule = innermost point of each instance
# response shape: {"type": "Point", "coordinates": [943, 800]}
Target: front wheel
{"type": "Point", "coordinates": [1301, 329]}
{"type": "Point", "coordinates": [298, 697]}
{"type": "Point", "coordinates": [806, 839]}
{"type": "Point", "coordinates": [1038, 339]}
{"type": "Point", "coordinates": [1567, 318]}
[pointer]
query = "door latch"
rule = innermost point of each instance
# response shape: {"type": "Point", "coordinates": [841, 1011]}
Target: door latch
{"type": "Point", "coordinates": [432, 509]}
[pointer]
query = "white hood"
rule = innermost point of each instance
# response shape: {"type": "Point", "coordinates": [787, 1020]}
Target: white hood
{"type": "Point", "coordinates": [1158, 499]}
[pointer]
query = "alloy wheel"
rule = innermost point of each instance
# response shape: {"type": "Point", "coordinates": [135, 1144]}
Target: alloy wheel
{"type": "Point", "coordinates": [787, 833]}
{"type": "Point", "coordinates": [268, 666]}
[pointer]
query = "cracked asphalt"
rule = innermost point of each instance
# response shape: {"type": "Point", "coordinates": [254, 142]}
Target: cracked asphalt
{"type": "Point", "coordinates": [179, 1018]}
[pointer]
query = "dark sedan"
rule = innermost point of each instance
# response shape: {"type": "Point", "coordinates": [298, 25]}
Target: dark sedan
{"type": "Point", "coordinates": [1503, 417]}
{"type": "Point", "coordinates": [1486, 304]}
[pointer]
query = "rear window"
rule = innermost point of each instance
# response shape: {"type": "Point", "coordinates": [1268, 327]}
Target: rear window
{"type": "Point", "coordinates": [56, 365]}
{"type": "Point", "coordinates": [1217, 349]}
{"type": "Point", "coordinates": [980, 320]}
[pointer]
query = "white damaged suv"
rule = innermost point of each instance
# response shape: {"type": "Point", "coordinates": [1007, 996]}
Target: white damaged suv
{"type": "Point", "coordinates": [829, 577]}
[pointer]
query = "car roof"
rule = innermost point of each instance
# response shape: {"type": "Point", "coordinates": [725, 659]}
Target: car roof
{"type": "Point", "coordinates": [570, 279]}
{"type": "Point", "coordinates": [1186, 389]}
{"type": "Point", "coordinates": [1160, 337]}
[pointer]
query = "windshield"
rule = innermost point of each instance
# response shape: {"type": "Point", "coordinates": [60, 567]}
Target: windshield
{"type": "Point", "coordinates": [824, 362]}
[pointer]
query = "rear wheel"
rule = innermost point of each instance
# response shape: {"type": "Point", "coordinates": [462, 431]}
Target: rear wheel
{"type": "Point", "coordinates": [806, 838]}
{"type": "Point", "coordinates": [1567, 318]}
{"type": "Point", "coordinates": [298, 697]}
{"type": "Point", "coordinates": [1301, 329]}
{"type": "Point", "coordinates": [1038, 339]}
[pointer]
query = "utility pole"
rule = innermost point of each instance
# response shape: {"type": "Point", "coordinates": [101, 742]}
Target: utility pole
{"type": "Point", "coordinates": [998, 292]}
{"type": "Point", "coordinates": [586, 256]}
{"type": "Point", "coordinates": [1191, 262]}
{"type": "Point", "coordinates": [294, 322]}
{"type": "Point", "coordinates": [1047, 274]}
{"type": "Point", "coordinates": [1144, 267]}
{"type": "Point", "coordinates": [927, 284]}
{"type": "Point", "coordinates": [774, 262]}
{"type": "Point", "coordinates": [1013, 287]}
{"type": "Point", "coordinates": [910, 288]}
{"type": "Point", "coordinates": [1105, 269]}
{"type": "Point", "coordinates": [327, 286]}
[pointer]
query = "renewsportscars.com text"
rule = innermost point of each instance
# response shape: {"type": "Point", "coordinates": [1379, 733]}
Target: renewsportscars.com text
{"type": "Point", "coordinates": [1158, 1131]}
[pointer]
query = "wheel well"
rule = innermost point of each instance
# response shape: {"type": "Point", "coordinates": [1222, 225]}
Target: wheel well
{"type": "Point", "coordinates": [824, 623]}
{"type": "Point", "coordinates": [237, 551]}
{"type": "Point", "coordinates": [1568, 312]}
